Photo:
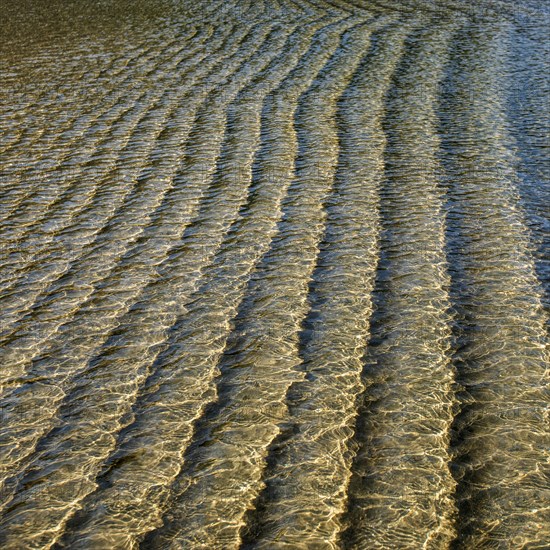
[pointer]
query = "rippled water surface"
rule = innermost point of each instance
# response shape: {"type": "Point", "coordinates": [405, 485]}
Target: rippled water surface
{"type": "Point", "coordinates": [274, 274]}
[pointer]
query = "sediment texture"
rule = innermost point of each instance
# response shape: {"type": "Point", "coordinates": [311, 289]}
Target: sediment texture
{"type": "Point", "coordinates": [274, 274]}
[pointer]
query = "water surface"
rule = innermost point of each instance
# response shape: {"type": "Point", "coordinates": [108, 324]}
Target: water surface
{"type": "Point", "coordinates": [274, 274]}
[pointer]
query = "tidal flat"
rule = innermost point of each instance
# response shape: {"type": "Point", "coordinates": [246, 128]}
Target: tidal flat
{"type": "Point", "coordinates": [274, 274]}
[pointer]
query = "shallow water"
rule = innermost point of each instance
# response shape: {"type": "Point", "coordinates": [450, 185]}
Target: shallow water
{"type": "Point", "coordinates": [274, 274]}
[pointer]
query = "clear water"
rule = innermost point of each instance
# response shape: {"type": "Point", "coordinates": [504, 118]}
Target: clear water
{"type": "Point", "coordinates": [274, 274]}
